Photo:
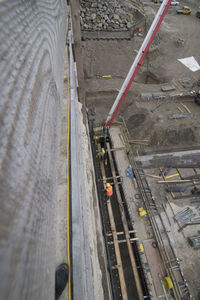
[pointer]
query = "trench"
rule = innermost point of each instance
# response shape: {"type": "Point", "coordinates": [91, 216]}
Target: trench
{"type": "Point", "coordinates": [130, 282]}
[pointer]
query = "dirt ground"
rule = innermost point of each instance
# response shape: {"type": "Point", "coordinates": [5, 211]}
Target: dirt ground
{"type": "Point", "coordinates": [178, 37]}
{"type": "Point", "coordinates": [150, 119]}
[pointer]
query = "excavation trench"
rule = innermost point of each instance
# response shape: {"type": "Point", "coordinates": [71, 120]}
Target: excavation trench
{"type": "Point", "coordinates": [103, 171]}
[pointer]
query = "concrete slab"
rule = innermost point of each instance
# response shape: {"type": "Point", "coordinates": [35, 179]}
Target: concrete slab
{"type": "Point", "coordinates": [155, 264]}
{"type": "Point", "coordinates": [168, 88]}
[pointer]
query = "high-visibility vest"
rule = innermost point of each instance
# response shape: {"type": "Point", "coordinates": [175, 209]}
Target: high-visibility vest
{"type": "Point", "coordinates": [109, 191]}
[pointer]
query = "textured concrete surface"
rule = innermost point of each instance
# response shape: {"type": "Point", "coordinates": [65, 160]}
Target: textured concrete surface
{"type": "Point", "coordinates": [61, 220]}
{"type": "Point", "coordinates": [32, 40]}
{"type": "Point", "coordinates": [87, 241]}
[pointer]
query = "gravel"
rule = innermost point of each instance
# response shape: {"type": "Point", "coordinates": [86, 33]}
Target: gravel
{"type": "Point", "coordinates": [106, 15]}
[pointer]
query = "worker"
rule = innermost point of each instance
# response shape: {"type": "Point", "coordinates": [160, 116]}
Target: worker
{"type": "Point", "coordinates": [102, 155]}
{"type": "Point", "coordinates": [109, 190]}
{"type": "Point", "coordinates": [96, 139]}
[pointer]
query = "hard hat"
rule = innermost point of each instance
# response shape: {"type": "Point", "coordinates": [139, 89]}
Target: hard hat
{"type": "Point", "coordinates": [107, 184]}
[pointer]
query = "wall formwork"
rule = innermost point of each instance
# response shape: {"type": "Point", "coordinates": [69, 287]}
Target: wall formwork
{"type": "Point", "coordinates": [32, 49]}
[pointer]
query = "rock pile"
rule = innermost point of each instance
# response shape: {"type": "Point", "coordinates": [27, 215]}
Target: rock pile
{"type": "Point", "coordinates": [105, 15]}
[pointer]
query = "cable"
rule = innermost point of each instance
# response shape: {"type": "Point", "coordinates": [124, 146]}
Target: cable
{"type": "Point", "coordinates": [68, 185]}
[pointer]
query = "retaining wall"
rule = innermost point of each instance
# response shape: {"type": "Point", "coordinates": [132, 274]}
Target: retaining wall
{"type": "Point", "coordinates": [32, 48]}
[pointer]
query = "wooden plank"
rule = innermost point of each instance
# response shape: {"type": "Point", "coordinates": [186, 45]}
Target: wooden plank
{"type": "Point", "coordinates": [121, 232]}
{"type": "Point", "coordinates": [139, 143]}
{"type": "Point", "coordinates": [164, 208]}
{"type": "Point", "coordinates": [124, 241]}
{"type": "Point", "coordinates": [154, 262]}
{"type": "Point", "coordinates": [187, 109]}
{"type": "Point", "coordinates": [153, 176]}
{"type": "Point", "coordinates": [75, 14]}
{"type": "Point", "coordinates": [173, 175]}
{"type": "Point", "coordinates": [122, 139]}
{"type": "Point", "coordinates": [125, 225]}
{"type": "Point", "coordinates": [116, 149]}
{"type": "Point", "coordinates": [130, 141]}
{"type": "Point", "coordinates": [109, 178]}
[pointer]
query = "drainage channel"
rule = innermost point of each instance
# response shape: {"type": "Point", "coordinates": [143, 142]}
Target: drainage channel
{"type": "Point", "coordinates": [124, 264]}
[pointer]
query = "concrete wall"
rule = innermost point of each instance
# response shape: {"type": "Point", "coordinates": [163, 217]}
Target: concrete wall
{"type": "Point", "coordinates": [32, 40]}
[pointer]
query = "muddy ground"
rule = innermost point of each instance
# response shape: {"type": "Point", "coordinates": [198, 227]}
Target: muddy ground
{"type": "Point", "coordinates": [178, 37]}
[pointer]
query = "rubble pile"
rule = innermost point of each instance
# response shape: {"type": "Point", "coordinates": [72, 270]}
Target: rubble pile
{"type": "Point", "coordinates": [106, 15]}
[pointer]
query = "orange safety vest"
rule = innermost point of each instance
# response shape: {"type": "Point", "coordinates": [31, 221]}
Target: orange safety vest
{"type": "Point", "coordinates": [109, 191]}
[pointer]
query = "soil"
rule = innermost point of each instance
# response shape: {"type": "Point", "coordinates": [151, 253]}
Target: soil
{"type": "Point", "coordinates": [178, 37]}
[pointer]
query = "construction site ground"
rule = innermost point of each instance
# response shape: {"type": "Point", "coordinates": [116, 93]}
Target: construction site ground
{"type": "Point", "coordinates": [178, 37]}
{"type": "Point", "coordinates": [150, 120]}
{"type": "Point", "coordinates": [141, 225]}
{"type": "Point", "coordinates": [168, 205]}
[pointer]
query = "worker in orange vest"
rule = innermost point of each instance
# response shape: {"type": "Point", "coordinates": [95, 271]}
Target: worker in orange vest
{"type": "Point", "coordinates": [109, 190]}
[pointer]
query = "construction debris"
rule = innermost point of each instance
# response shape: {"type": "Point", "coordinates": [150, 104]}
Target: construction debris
{"type": "Point", "coordinates": [194, 241]}
{"type": "Point", "coordinates": [158, 95]}
{"type": "Point", "coordinates": [187, 109]}
{"type": "Point", "coordinates": [146, 96]}
{"type": "Point", "coordinates": [168, 88]}
{"type": "Point", "coordinates": [176, 189]}
{"type": "Point", "coordinates": [158, 106]}
{"type": "Point", "coordinates": [186, 83]}
{"type": "Point", "coordinates": [184, 216]}
{"type": "Point", "coordinates": [188, 224]}
{"type": "Point", "coordinates": [177, 116]}
{"type": "Point", "coordinates": [154, 95]}
{"type": "Point", "coordinates": [190, 63]}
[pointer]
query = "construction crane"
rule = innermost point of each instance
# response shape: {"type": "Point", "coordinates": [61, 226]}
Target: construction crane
{"type": "Point", "coordinates": [137, 62]}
